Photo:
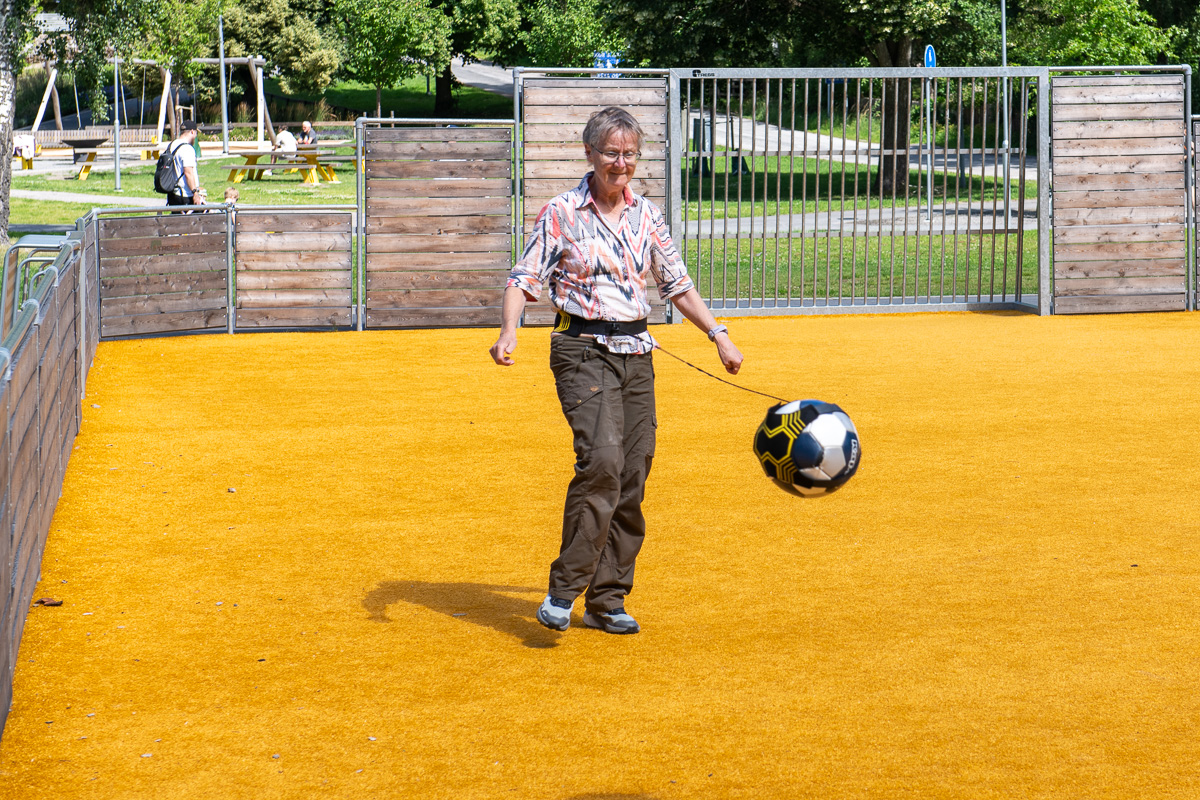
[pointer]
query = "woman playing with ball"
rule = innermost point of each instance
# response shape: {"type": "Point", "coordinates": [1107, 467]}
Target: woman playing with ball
{"type": "Point", "coordinates": [595, 246]}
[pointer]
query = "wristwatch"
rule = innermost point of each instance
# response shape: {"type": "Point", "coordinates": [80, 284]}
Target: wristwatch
{"type": "Point", "coordinates": [712, 335]}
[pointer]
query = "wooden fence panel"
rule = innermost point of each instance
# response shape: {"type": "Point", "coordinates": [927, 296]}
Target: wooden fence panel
{"type": "Point", "coordinates": [438, 225]}
{"type": "Point", "coordinates": [294, 270]}
{"type": "Point", "coordinates": [150, 270]}
{"type": "Point", "coordinates": [554, 112]}
{"type": "Point", "coordinates": [1119, 204]}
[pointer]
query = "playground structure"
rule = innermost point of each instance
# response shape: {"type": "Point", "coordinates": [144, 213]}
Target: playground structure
{"type": "Point", "coordinates": [442, 211]}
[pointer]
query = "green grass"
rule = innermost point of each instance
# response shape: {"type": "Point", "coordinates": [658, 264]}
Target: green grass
{"type": "Point", "coordinates": [863, 267]}
{"type": "Point", "coordinates": [409, 100]}
{"type": "Point", "coordinates": [785, 185]}
{"type": "Point", "coordinates": [45, 212]}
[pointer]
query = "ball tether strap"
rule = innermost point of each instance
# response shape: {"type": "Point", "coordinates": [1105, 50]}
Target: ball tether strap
{"type": "Point", "coordinates": [717, 377]}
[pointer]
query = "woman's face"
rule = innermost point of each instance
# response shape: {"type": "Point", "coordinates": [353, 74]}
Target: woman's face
{"type": "Point", "coordinates": [613, 174]}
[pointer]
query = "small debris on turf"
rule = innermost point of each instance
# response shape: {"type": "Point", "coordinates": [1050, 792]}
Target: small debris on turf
{"type": "Point", "coordinates": [48, 601]}
{"type": "Point", "coordinates": [232, 490]}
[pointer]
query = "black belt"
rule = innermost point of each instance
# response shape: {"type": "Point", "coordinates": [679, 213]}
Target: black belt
{"type": "Point", "coordinates": [572, 325]}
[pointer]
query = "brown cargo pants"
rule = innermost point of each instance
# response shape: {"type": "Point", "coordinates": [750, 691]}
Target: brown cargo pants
{"type": "Point", "coordinates": [608, 400]}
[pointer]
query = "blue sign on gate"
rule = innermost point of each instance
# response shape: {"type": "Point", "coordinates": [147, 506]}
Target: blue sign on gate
{"type": "Point", "coordinates": [930, 57]}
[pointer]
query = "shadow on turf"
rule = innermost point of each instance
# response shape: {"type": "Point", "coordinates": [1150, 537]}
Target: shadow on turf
{"type": "Point", "coordinates": [477, 603]}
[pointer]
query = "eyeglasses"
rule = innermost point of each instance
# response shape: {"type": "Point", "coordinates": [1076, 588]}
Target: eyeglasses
{"type": "Point", "coordinates": [610, 156]}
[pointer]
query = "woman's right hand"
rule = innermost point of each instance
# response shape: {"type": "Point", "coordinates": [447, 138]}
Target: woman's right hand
{"type": "Point", "coordinates": [503, 347]}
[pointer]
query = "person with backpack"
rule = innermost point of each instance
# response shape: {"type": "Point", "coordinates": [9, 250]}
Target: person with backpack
{"type": "Point", "coordinates": [176, 173]}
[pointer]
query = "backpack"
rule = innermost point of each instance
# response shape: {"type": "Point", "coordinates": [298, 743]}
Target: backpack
{"type": "Point", "coordinates": [166, 177]}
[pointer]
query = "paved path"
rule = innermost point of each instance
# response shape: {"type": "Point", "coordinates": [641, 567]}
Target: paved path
{"type": "Point", "coordinates": [131, 200]}
{"type": "Point", "coordinates": [484, 75]}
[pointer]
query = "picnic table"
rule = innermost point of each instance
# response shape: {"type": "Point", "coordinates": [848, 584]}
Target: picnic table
{"type": "Point", "coordinates": [314, 162]}
{"type": "Point", "coordinates": [88, 149]}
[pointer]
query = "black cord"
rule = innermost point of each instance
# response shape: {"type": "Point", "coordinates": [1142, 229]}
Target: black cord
{"type": "Point", "coordinates": [717, 377]}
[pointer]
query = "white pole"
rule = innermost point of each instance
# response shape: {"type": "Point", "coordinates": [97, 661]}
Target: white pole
{"type": "Point", "coordinates": [162, 104]}
{"type": "Point", "coordinates": [224, 92]}
{"type": "Point", "coordinates": [41, 112]}
{"type": "Point", "coordinates": [262, 101]}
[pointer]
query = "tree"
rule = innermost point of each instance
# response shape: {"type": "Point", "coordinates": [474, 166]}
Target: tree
{"type": "Point", "coordinates": [296, 37]}
{"type": "Point", "coordinates": [704, 33]}
{"type": "Point", "coordinates": [568, 33]}
{"type": "Point", "coordinates": [388, 40]}
{"type": "Point", "coordinates": [16, 25]}
{"type": "Point", "coordinates": [478, 28]}
{"type": "Point", "coordinates": [1087, 33]}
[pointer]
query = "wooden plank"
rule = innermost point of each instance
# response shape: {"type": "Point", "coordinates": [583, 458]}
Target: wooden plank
{"type": "Point", "coordinates": [1144, 180]}
{"type": "Point", "coordinates": [290, 242]}
{"type": "Point", "coordinates": [438, 134]}
{"type": "Point", "coordinates": [293, 318]}
{"type": "Point", "coordinates": [189, 243]}
{"type": "Point", "coordinates": [443, 187]}
{"type": "Point", "coordinates": [160, 225]}
{"type": "Point", "coordinates": [1119, 199]}
{"type": "Point", "coordinates": [1120, 304]}
{"type": "Point", "coordinates": [426, 151]}
{"type": "Point", "coordinates": [1133, 93]}
{"type": "Point", "coordinates": [1110, 287]}
{"type": "Point", "coordinates": [1117, 147]}
{"type": "Point", "coordinates": [449, 206]}
{"type": "Point", "coordinates": [1120, 269]}
{"type": "Point", "coordinates": [163, 323]}
{"type": "Point", "coordinates": [420, 262]}
{"type": "Point", "coordinates": [579, 115]}
{"type": "Point", "coordinates": [1077, 234]}
{"type": "Point", "coordinates": [1107, 251]}
{"type": "Point", "coordinates": [1137, 79]}
{"type": "Point", "coordinates": [307, 279]}
{"type": "Point", "coordinates": [1109, 165]}
{"type": "Point", "coordinates": [466, 243]}
{"type": "Point", "coordinates": [439, 169]}
{"type": "Point", "coordinates": [292, 223]}
{"type": "Point", "coordinates": [596, 97]}
{"type": "Point", "coordinates": [435, 298]}
{"type": "Point", "coordinates": [164, 284]}
{"type": "Point", "coordinates": [573, 152]}
{"type": "Point", "coordinates": [575, 170]}
{"type": "Point", "coordinates": [316, 261]}
{"type": "Point", "coordinates": [439, 279]}
{"type": "Point", "coordinates": [162, 304]}
{"type": "Point", "coordinates": [439, 225]}
{"type": "Point", "coordinates": [600, 84]}
{"type": "Point", "coordinates": [572, 133]}
{"type": "Point", "coordinates": [313, 298]}
{"type": "Point", "coordinates": [1151, 129]}
{"type": "Point", "coordinates": [434, 318]}
{"type": "Point", "coordinates": [1118, 111]}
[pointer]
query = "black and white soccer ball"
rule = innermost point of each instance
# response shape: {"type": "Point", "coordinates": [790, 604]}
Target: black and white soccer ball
{"type": "Point", "coordinates": [807, 447]}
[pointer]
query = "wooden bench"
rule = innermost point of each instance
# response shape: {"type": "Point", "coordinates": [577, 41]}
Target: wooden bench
{"type": "Point", "coordinates": [311, 162]}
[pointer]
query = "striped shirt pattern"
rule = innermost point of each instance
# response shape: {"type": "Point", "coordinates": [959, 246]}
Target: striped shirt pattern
{"type": "Point", "coordinates": [596, 272]}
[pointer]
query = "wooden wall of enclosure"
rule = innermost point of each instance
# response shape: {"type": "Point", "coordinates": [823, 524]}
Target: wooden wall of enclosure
{"type": "Point", "coordinates": [50, 349]}
{"type": "Point", "coordinates": [553, 113]}
{"type": "Point", "coordinates": [294, 268]}
{"type": "Point", "coordinates": [1119, 193]}
{"type": "Point", "coordinates": [438, 224]}
{"type": "Point", "coordinates": [164, 273]}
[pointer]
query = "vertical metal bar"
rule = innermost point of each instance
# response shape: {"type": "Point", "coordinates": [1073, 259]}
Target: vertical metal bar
{"type": "Point", "coordinates": [1045, 282]}
{"type": "Point", "coordinates": [895, 157]}
{"type": "Point", "coordinates": [766, 182]}
{"type": "Point", "coordinates": [828, 200]}
{"type": "Point", "coordinates": [970, 193]}
{"type": "Point", "coordinates": [1021, 191]}
{"type": "Point", "coordinates": [982, 200]}
{"type": "Point", "coordinates": [712, 190]}
{"type": "Point", "coordinates": [519, 171]}
{"type": "Point", "coordinates": [817, 195]}
{"type": "Point", "coordinates": [907, 181]}
{"type": "Point", "coordinates": [1189, 187]}
{"type": "Point", "coordinates": [779, 186]}
{"type": "Point", "coordinates": [689, 147]}
{"type": "Point", "coordinates": [995, 190]}
{"type": "Point", "coordinates": [870, 179]}
{"type": "Point", "coordinates": [730, 153]}
{"type": "Point", "coordinates": [81, 313]}
{"type": "Point", "coordinates": [791, 190]}
{"type": "Point", "coordinates": [842, 200]}
{"type": "Point", "coordinates": [957, 190]}
{"type": "Point", "coordinates": [674, 136]}
{"type": "Point", "coordinates": [945, 192]}
{"type": "Point", "coordinates": [696, 161]}
{"type": "Point", "coordinates": [854, 207]}
{"type": "Point", "coordinates": [1007, 186]}
{"type": "Point", "coordinates": [929, 182]}
{"type": "Point", "coordinates": [804, 207]}
{"type": "Point", "coordinates": [737, 271]}
{"type": "Point", "coordinates": [231, 289]}
{"type": "Point", "coordinates": [359, 265]}
{"type": "Point", "coordinates": [753, 176]}
{"type": "Point", "coordinates": [921, 185]}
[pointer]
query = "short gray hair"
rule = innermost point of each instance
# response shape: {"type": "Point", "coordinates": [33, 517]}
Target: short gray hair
{"type": "Point", "coordinates": [607, 121]}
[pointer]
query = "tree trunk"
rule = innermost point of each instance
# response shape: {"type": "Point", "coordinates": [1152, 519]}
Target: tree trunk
{"type": "Point", "coordinates": [896, 117]}
{"type": "Point", "coordinates": [378, 101]}
{"type": "Point", "coordinates": [443, 101]}
{"type": "Point", "coordinates": [8, 110]}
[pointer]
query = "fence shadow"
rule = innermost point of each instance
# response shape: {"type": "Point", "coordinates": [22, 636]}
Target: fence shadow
{"type": "Point", "coordinates": [489, 605]}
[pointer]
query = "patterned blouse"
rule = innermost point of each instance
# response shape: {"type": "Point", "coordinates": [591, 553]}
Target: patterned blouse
{"type": "Point", "coordinates": [596, 272]}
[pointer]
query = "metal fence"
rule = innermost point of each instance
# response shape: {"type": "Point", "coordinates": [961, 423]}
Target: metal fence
{"type": "Point", "coordinates": [1194, 190]}
{"type": "Point", "coordinates": [806, 190]}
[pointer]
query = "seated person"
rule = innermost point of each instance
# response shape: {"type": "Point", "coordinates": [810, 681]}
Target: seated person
{"type": "Point", "coordinates": [307, 134]}
{"type": "Point", "coordinates": [285, 145]}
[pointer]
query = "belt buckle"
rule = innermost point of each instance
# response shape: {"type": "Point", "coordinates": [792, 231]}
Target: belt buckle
{"type": "Point", "coordinates": [614, 329]}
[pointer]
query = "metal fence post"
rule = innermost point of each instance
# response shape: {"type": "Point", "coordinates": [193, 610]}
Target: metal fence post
{"type": "Point", "coordinates": [676, 143]}
{"type": "Point", "coordinates": [230, 290]}
{"type": "Point", "coordinates": [359, 264]}
{"type": "Point", "coordinates": [1045, 269]}
{"type": "Point", "coordinates": [1189, 186]}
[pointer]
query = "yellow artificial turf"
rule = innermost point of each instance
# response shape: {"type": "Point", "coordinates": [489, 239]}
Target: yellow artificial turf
{"type": "Point", "coordinates": [1003, 602]}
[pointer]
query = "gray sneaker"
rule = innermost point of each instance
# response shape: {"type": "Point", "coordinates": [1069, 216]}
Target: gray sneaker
{"type": "Point", "coordinates": [615, 621]}
{"type": "Point", "coordinates": [555, 614]}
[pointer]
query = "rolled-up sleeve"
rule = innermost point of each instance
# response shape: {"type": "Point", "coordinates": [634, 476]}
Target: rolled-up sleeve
{"type": "Point", "coordinates": [542, 252]}
{"type": "Point", "coordinates": [670, 273]}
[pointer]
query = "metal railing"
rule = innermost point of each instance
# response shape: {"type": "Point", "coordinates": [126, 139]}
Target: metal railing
{"type": "Point", "coordinates": [806, 190]}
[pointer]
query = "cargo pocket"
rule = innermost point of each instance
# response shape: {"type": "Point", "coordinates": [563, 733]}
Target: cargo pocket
{"type": "Point", "coordinates": [578, 373]}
